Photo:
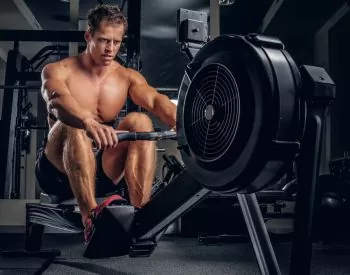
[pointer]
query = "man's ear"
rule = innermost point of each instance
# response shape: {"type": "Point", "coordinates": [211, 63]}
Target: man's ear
{"type": "Point", "coordinates": [88, 35]}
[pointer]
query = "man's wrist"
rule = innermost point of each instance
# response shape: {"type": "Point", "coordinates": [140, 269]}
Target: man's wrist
{"type": "Point", "coordinates": [86, 121]}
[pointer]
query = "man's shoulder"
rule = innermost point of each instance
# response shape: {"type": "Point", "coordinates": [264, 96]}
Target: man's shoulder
{"type": "Point", "coordinates": [59, 68]}
{"type": "Point", "coordinates": [121, 71]}
{"type": "Point", "coordinates": [66, 63]}
{"type": "Point", "coordinates": [134, 75]}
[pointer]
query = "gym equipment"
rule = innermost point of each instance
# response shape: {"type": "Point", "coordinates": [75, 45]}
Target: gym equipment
{"type": "Point", "coordinates": [146, 135]}
{"type": "Point", "coordinates": [243, 114]}
{"type": "Point", "coordinates": [340, 167]}
{"type": "Point", "coordinates": [332, 204]}
{"type": "Point", "coordinates": [43, 35]}
{"type": "Point", "coordinates": [192, 31]}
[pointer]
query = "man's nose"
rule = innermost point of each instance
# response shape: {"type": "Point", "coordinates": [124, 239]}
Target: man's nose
{"type": "Point", "coordinates": [109, 46]}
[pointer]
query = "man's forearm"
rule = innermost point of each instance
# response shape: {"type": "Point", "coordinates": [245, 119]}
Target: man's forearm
{"type": "Point", "coordinates": [67, 110]}
{"type": "Point", "coordinates": [165, 110]}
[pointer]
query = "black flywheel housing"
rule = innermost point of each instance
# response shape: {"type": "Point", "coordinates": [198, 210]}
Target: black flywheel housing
{"type": "Point", "coordinates": [238, 105]}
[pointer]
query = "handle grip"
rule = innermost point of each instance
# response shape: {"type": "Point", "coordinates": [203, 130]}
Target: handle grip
{"type": "Point", "coordinates": [146, 135]}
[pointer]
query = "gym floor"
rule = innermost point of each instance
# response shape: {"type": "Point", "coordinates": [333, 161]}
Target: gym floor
{"type": "Point", "coordinates": [174, 255]}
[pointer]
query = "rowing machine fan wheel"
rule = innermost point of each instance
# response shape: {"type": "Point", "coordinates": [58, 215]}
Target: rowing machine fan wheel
{"type": "Point", "coordinates": [239, 105]}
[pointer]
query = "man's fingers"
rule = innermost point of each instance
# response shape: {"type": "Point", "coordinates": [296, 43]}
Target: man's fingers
{"type": "Point", "coordinates": [114, 138]}
{"type": "Point", "coordinates": [102, 136]}
{"type": "Point", "coordinates": [109, 137]}
{"type": "Point", "coordinates": [97, 140]}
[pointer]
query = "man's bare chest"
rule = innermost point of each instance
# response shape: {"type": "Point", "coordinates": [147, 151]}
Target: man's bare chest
{"type": "Point", "coordinates": [106, 91]}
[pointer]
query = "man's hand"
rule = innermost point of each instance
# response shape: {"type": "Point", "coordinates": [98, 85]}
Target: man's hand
{"type": "Point", "coordinates": [104, 136]}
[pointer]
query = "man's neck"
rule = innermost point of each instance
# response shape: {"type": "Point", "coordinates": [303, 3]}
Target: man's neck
{"type": "Point", "coordinates": [91, 67]}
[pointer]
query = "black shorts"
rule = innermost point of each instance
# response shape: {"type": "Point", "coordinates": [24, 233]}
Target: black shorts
{"type": "Point", "coordinates": [54, 182]}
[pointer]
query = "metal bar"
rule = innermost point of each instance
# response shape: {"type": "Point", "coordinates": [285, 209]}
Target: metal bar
{"type": "Point", "coordinates": [29, 76]}
{"type": "Point", "coordinates": [133, 44]}
{"type": "Point", "coordinates": [8, 121]}
{"type": "Point", "coordinates": [160, 89]}
{"type": "Point", "coordinates": [122, 5]}
{"type": "Point", "coordinates": [28, 87]}
{"type": "Point", "coordinates": [304, 206]}
{"type": "Point", "coordinates": [339, 14]}
{"type": "Point", "coordinates": [43, 35]}
{"type": "Point", "coordinates": [271, 13]}
{"type": "Point", "coordinates": [258, 234]}
{"type": "Point", "coordinates": [321, 58]}
{"type": "Point", "coordinates": [33, 127]}
{"type": "Point", "coordinates": [134, 33]}
{"type": "Point", "coordinates": [27, 14]}
{"type": "Point", "coordinates": [73, 20]}
{"type": "Point", "coordinates": [214, 19]}
{"type": "Point", "coordinates": [16, 187]}
{"type": "Point", "coordinates": [181, 194]}
{"type": "Point", "coordinates": [43, 50]}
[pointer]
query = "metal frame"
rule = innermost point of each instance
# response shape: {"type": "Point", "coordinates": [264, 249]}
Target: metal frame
{"type": "Point", "coordinates": [8, 122]}
{"type": "Point", "coordinates": [43, 35]}
{"type": "Point", "coordinates": [133, 44]}
{"type": "Point", "coordinates": [74, 22]}
{"type": "Point", "coordinates": [214, 19]}
{"type": "Point", "coordinates": [321, 58]}
{"type": "Point", "coordinates": [269, 16]}
{"type": "Point", "coordinates": [259, 236]}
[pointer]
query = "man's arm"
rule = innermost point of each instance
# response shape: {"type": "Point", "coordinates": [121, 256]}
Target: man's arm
{"type": "Point", "coordinates": [59, 99]}
{"type": "Point", "coordinates": [147, 97]}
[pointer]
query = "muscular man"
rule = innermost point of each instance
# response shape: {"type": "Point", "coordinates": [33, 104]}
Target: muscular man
{"type": "Point", "coordinates": [83, 94]}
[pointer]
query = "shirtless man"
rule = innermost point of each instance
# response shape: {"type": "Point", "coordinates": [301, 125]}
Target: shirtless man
{"type": "Point", "coordinates": [83, 93]}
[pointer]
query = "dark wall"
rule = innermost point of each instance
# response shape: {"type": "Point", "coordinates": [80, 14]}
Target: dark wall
{"type": "Point", "coordinates": [243, 17]}
{"type": "Point", "coordinates": [339, 55]}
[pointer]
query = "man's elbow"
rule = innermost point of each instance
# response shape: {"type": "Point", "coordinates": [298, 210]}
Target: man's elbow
{"type": "Point", "coordinates": [164, 107]}
{"type": "Point", "coordinates": [54, 103]}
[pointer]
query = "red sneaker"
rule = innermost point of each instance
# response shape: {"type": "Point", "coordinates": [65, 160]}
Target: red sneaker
{"type": "Point", "coordinates": [95, 213]}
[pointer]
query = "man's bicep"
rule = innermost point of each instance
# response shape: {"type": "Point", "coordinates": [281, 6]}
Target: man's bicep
{"type": "Point", "coordinates": [141, 93]}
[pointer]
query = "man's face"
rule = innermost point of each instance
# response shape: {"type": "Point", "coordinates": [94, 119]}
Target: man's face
{"type": "Point", "coordinates": [105, 43]}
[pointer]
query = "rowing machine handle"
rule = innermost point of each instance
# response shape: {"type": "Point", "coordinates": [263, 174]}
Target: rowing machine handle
{"type": "Point", "coordinates": [146, 135]}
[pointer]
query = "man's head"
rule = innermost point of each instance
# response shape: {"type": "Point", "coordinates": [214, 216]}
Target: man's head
{"type": "Point", "coordinates": [106, 28]}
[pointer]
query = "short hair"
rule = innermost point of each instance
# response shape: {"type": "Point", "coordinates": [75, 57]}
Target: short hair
{"type": "Point", "coordinates": [111, 13]}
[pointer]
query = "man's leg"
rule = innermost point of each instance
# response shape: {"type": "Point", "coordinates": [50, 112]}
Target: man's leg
{"type": "Point", "coordinates": [135, 159]}
{"type": "Point", "coordinates": [70, 151]}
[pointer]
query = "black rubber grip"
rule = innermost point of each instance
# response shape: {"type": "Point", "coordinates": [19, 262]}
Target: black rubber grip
{"type": "Point", "coordinates": [146, 135]}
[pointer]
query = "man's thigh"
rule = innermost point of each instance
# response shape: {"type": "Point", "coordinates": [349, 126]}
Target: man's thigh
{"type": "Point", "coordinates": [113, 159]}
{"type": "Point", "coordinates": [54, 146]}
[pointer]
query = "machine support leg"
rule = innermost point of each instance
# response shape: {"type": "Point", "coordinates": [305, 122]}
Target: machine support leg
{"type": "Point", "coordinates": [309, 163]}
{"type": "Point", "coordinates": [258, 234]}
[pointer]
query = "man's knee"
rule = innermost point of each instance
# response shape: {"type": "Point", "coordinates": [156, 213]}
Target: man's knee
{"type": "Point", "coordinates": [139, 122]}
{"type": "Point", "coordinates": [76, 135]}
{"type": "Point", "coordinates": [61, 135]}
